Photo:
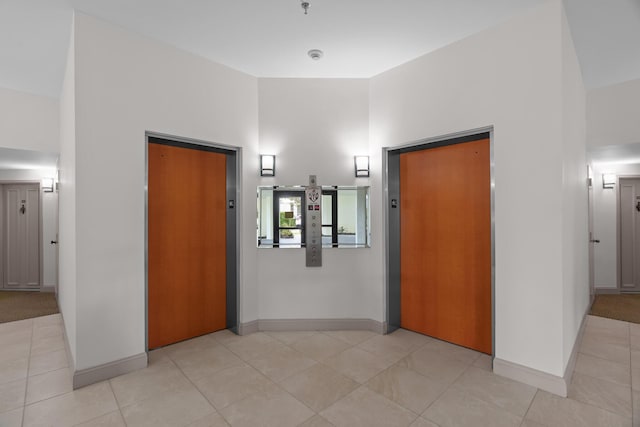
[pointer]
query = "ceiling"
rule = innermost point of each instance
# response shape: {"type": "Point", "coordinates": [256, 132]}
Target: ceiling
{"type": "Point", "coordinates": [615, 155]}
{"type": "Point", "coordinates": [25, 159]}
{"type": "Point", "coordinates": [270, 38]}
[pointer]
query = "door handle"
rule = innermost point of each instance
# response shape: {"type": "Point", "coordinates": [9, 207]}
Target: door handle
{"type": "Point", "coordinates": [594, 241]}
{"type": "Point", "coordinates": [638, 206]}
{"type": "Point", "coordinates": [23, 209]}
{"type": "Point", "coordinates": [54, 242]}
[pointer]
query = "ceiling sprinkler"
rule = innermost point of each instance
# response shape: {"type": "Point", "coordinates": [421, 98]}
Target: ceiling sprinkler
{"type": "Point", "coordinates": [305, 6]}
{"type": "Point", "coordinates": [315, 54]}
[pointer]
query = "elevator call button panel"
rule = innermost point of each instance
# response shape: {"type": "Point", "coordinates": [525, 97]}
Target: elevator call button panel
{"type": "Point", "coordinates": [313, 237]}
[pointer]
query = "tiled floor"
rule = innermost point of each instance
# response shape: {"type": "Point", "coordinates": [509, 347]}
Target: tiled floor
{"type": "Point", "coordinates": [314, 379]}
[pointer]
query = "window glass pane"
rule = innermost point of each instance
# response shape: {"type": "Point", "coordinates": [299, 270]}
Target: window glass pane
{"type": "Point", "coordinates": [347, 213]}
{"type": "Point", "coordinates": [265, 217]}
{"type": "Point", "coordinates": [290, 211]}
{"type": "Point", "coordinates": [353, 218]}
{"type": "Point", "coordinates": [290, 238]}
{"type": "Point", "coordinates": [326, 237]}
{"type": "Point", "coordinates": [352, 221]}
{"type": "Point", "coordinates": [327, 214]}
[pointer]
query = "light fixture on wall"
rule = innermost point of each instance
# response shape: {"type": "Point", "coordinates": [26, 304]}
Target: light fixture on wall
{"type": "Point", "coordinates": [267, 165]}
{"type": "Point", "coordinates": [608, 180]}
{"type": "Point", "coordinates": [47, 185]}
{"type": "Point", "coordinates": [362, 166]}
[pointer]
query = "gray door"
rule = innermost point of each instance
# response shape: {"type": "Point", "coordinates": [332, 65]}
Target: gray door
{"type": "Point", "coordinates": [21, 236]}
{"type": "Point", "coordinates": [592, 239]}
{"type": "Point", "coordinates": [629, 234]}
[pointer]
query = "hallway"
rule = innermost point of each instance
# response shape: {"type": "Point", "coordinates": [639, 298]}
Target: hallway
{"type": "Point", "coordinates": [340, 378]}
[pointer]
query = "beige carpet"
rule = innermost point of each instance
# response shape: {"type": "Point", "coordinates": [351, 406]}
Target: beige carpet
{"type": "Point", "coordinates": [18, 305]}
{"type": "Point", "coordinates": [619, 307]}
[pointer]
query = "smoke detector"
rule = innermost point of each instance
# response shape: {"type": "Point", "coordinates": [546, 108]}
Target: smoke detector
{"type": "Point", "coordinates": [315, 54]}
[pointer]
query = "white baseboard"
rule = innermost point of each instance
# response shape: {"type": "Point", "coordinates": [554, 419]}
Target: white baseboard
{"type": "Point", "coordinates": [48, 288]}
{"type": "Point", "coordinates": [67, 346]}
{"type": "Point", "coordinates": [277, 325]}
{"type": "Point", "coordinates": [542, 380]}
{"type": "Point", "coordinates": [568, 372]}
{"type": "Point", "coordinates": [109, 370]}
{"type": "Point", "coordinates": [248, 328]}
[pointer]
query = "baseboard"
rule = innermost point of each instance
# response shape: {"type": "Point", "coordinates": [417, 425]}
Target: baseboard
{"type": "Point", "coordinates": [279, 325]}
{"type": "Point", "coordinates": [607, 291]}
{"type": "Point", "coordinates": [48, 288]}
{"type": "Point", "coordinates": [109, 370]}
{"type": "Point", "coordinates": [568, 372]}
{"type": "Point", "coordinates": [248, 328]}
{"type": "Point", "coordinates": [542, 380]}
{"type": "Point", "coordinates": [67, 346]}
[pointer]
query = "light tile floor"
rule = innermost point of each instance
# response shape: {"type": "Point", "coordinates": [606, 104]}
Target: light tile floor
{"type": "Point", "coordinates": [315, 379]}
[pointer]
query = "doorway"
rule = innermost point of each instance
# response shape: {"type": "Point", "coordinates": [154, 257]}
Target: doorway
{"type": "Point", "coordinates": [440, 239]}
{"type": "Point", "coordinates": [629, 239]}
{"type": "Point", "coordinates": [191, 239]}
{"type": "Point", "coordinates": [21, 236]}
{"type": "Point", "coordinates": [592, 239]}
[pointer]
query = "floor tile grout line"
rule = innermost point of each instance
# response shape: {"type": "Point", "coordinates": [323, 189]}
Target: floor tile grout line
{"type": "Point", "coordinates": [171, 389]}
{"type": "Point", "coordinates": [524, 418]}
{"type": "Point", "coordinates": [248, 362]}
{"type": "Point", "coordinates": [113, 392]}
{"type": "Point", "coordinates": [304, 370]}
{"type": "Point", "coordinates": [198, 389]}
{"type": "Point", "coordinates": [26, 384]}
{"type": "Point", "coordinates": [602, 358]}
{"type": "Point", "coordinates": [599, 407]}
{"type": "Point", "coordinates": [633, 412]}
{"type": "Point", "coordinates": [279, 385]}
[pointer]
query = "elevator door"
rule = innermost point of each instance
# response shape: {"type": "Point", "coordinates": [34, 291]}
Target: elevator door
{"type": "Point", "coordinates": [445, 243]}
{"type": "Point", "coordinates": [186, 243]}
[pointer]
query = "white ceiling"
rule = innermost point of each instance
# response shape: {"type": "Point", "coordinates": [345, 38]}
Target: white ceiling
{"type": "Point", "coordinates": [270, 38]}
{"type": "Point", "coordinates": [615, 155]}
{"type": "Point", "coordinates": [26, 159]}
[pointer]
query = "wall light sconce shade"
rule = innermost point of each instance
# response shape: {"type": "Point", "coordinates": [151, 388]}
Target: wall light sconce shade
{"type": "Point", "coordinates": [608, 180]}
{"type": "Point", "coordinates": [267, 165]}
{"type": "Point", "coordinates": [47, 185]}
{"type": "Point", "coordinates": [362, 166]}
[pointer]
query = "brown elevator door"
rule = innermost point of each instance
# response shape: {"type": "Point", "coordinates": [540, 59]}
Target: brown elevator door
{"type": "Point", "coordinates": [186, 243]}
{"type": "Point", "coordinates": [445, 243]}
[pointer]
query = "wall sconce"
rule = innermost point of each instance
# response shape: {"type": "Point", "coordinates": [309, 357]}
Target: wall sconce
{"type": "Point", "coordinates": [608, 180]}
{"type": "Point", "coordinates": [47, 185]}
{"type": "Point", "coordinates": [362, 166]}
{"type": "Point", "coordinates": [267, 165]}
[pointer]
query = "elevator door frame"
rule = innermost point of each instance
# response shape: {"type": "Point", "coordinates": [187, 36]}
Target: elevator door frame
{"type": "Point", "coordinates": [234, 155]}
{"type": "Point", "coordinates": [391, 186]}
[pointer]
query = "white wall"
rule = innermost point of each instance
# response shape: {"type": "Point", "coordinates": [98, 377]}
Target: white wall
{"type": "Point", "coordinates": [28, 122]}
{"type": "Point", "coordinates": [49, 210]}
{"type": "Point", "coordinates": [316, 126]}
{"type": "Point", "coordinates": [509, 77]}
{"type": "Point", "coordinates": [125, 85]}
{"type": "Point", "coordinates": [612, 114]}
{"type": "Point", "coordinates": [67, 287]}
{"type": "Point", "coordinates": [575, 238]}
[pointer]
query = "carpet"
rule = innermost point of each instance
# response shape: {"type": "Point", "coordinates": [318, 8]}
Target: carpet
{"type": "Point", "coordinates": [18, 305]}
{"type": "Point", "coordinates": [619, 307]}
